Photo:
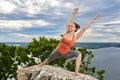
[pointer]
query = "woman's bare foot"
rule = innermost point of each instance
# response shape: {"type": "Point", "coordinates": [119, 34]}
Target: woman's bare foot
{"type": "Point", "coordinates": [39, 65]}
{"type": "Point", "coordinates": [45, 62]}
{"type": "Point", "coordinates": [80, 75]}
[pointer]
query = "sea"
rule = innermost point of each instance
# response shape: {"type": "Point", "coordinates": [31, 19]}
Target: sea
{"type": "Point", "coordinates": [106, 56]}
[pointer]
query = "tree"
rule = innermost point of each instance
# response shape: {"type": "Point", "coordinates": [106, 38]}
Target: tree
{"type": "Point", "coordinates": [11, 57]}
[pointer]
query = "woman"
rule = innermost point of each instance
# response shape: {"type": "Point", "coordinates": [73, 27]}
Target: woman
{"type": "Point", "coordinates": [67, 41]}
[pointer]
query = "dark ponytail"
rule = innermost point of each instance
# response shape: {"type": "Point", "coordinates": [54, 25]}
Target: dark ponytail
{"type": "Point", "coordinates": [77, 26]}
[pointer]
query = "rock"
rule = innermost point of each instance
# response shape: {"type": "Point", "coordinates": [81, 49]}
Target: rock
{"type": "Point", "coordinates": [48, 72]}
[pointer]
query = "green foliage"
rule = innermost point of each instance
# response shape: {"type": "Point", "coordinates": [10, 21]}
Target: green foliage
{"type": "Point", "coordinates": [100, 73]}
{"type": "Point", "coordinates": [13, 57]}
{"type": "Point", "coordinates": [42, 48]}
{"type": "Point", "coordinates": [10, 58]}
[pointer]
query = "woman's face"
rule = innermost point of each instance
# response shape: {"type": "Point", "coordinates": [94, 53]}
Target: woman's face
{"type": "Point", "coordinates": [71, 27]}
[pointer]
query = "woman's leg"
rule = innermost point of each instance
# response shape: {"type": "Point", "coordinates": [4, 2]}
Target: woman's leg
{"type": "Point", "coordinates": [77, 64]}
{"type": "Point", "coordinates": [78, 56]}
{"type": "Point", "coordinates": [52, 57]}
{"type": "Point", "coordinates": [45, 62]}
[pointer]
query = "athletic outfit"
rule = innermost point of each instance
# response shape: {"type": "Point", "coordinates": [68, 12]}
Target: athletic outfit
{"type": "Point", "coordinates": [63, 50]}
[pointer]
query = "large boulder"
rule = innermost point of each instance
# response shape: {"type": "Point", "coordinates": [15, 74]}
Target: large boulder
{"type": "Point", "coordinates": [48, 72]}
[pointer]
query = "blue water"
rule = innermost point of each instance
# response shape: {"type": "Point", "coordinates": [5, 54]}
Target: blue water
{"type": "Point", "coordinates": [109, 60]}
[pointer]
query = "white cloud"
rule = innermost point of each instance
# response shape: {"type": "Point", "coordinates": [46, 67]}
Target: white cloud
{"type": "Point", "coordinates": [6, 7]}
{"type": "Point", "coordinates": [53, 3]}
{"type": "Point", "coordinates": [31, 8]}
{"type": "Point", "coordinates": [91, 32]}
{"type": "Point", "coordinates": [111, 22]}
{"type": "Point", "coordinates": [24, 35]}
{"type": "Point", "coordinates": [69, 5]}
{"type": "Point", "coordinates": [28, 37]}
{"type": "Point", "coordinates": [50, 7]}
{"type": "Point", "coordinates": [20, 24]}
{"type": "Point", "coordinates": [118, 0]}
{"type": "Point", "coordinates": [58, 7]}
{"type": "Point", "coordinates": [114, 39]}
{"type": "Point", "coordinates": [97, 36]}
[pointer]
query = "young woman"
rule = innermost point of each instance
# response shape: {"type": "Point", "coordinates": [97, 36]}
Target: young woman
{"type": "Point", "coordinates": [67, 41]}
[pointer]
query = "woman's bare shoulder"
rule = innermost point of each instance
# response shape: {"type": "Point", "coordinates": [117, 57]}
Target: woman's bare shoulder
{"type": "Point", "coordinates": [76, 36]}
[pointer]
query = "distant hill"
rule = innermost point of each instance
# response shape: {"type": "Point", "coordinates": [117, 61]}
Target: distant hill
{"type": "Point", "coordinates": [23, 44]}
{"type": "Point", "coordinates": [95, 45]}
{"type": "Point", "coordinates": [88, 45]}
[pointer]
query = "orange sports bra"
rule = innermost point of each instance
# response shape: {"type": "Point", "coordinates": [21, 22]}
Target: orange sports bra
{"type": "Point", "coordinates": [65, 45]}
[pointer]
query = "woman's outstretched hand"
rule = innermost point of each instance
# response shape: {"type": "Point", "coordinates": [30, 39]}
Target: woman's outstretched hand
{"type": "Point", "coordinates": [75, 11]}
{"type": "Point", "coordinates": [97, 15]}
{"type": "Point", "coordinates": [69, 21]}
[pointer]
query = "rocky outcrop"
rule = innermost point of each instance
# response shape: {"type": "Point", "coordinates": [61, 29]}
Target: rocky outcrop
{"type": "Point", "coordinates": [48, 72]}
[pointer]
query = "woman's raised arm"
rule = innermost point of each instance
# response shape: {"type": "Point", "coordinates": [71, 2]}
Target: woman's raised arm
{"type": "Point", "coordinates": [70, 19]}
{"type": "Point", "coordinates": [79, 34]}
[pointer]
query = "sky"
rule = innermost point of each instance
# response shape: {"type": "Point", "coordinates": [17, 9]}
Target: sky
{"type": "Point", "coordinates": [23, 20]}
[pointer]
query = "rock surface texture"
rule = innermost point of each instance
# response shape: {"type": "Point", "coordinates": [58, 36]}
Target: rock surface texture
{"type": "Point", "coordinates": [48, 72]}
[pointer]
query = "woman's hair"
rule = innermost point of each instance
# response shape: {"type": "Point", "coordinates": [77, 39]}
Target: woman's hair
{"type": "Point", "coordinates": [77, 26]}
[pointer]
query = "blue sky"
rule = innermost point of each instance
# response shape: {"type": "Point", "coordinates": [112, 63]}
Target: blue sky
{"type": "Point", "coordinates": [23, 20]}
